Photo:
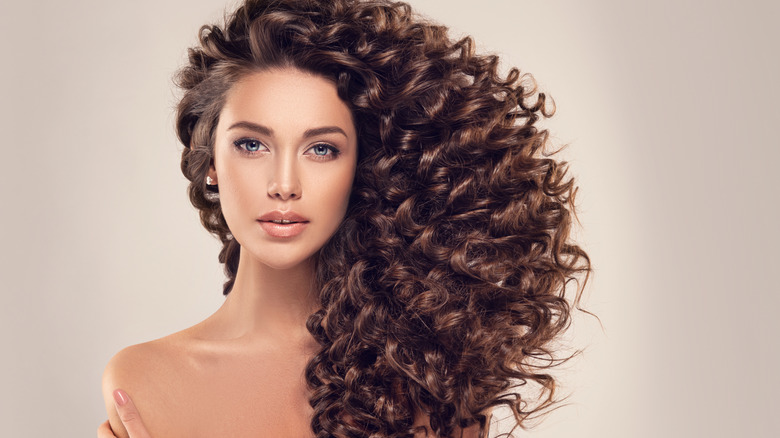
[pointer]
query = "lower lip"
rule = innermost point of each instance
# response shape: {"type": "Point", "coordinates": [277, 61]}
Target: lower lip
{"type": "Point", "coordinates": [283, 230]}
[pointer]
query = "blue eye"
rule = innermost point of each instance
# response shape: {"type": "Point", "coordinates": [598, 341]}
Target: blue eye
{"type": "Point", "coordinates": [322, 149]}
{"type": "Point", "coordinates": [248, 145]}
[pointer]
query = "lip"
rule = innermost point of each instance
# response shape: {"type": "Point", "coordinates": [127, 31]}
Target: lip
{"type": "Point", "coordinates": [278, 215]}
{"type": "Point", "coordinates": [297, 225]}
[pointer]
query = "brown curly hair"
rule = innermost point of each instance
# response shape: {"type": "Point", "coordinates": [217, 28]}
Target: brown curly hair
{"type": "Point", "coordinates": [447, 281]}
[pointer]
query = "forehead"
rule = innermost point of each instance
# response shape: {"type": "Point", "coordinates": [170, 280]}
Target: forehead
{"type": "Point", "coordinates": [286, 98]}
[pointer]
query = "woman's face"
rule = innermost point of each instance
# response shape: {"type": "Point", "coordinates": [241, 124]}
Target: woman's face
{"type": "Point", "coordinates": [284, 160]}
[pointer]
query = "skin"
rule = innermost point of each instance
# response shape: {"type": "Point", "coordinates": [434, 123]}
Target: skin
{"type": "Point", "coordinates": [285, 142]}
{"type": "Point", "coordinates": [239, 373]}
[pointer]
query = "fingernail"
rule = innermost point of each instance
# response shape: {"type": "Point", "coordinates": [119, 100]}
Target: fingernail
{"type": "Point", "coordinates": [120, 397]}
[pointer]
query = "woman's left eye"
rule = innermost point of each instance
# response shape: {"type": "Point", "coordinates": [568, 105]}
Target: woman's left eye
{"type": "Point", "coordinates": [324, 150]}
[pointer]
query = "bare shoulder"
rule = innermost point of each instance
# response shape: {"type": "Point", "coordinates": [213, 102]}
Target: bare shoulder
{"type": "Point", "coordinates": [131, 361]}
{"type": "Point", "coordinates": [136, 361]}
{"type": "Point", "coordinates": [199, 382]}
{"type": "Point", "coordinates": [145, 372]}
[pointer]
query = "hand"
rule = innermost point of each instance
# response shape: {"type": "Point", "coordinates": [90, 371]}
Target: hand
{"type": "Point", "coordinates": [129, 415]}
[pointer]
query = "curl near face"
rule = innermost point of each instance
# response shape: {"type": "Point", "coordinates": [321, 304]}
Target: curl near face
{"type": "Point", "coordinates": [284, 159]}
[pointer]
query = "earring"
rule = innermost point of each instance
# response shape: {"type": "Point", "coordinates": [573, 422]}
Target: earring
{"type": "Point", "coordinates": [209, 181]}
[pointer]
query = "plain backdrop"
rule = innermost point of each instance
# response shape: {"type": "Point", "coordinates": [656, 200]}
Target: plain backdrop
{"type": "Point", "coordinates": [670, 113]}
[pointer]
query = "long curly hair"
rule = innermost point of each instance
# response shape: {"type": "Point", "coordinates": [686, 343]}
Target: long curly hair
{"type": "Point", "coordinates": [451, 275]}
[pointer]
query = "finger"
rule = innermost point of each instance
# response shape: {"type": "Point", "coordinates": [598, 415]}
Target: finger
{"type": "Point", "coordinates": [104, 431]}
{"type": "Point", "coordinates": [129, 415]}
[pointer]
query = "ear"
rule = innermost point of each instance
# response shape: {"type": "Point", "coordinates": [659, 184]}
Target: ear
{"type": "Point", "coordinates": [212, 173]}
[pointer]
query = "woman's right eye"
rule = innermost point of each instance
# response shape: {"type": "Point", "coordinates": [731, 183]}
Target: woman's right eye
{"type": "Point", "coordinates": [248, 145]}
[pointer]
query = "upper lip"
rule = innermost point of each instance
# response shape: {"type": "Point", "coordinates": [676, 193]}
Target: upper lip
{"type": "Point", "coordinates": [277, 215]}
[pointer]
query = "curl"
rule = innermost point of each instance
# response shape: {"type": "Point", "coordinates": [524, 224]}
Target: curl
{"type": "Point", "coordinates": [451, 274]}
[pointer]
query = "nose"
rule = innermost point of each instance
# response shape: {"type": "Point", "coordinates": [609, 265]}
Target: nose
{"type": "Point", "coordinates": [284, 183]}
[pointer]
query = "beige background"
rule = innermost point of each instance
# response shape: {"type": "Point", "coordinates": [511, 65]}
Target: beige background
{"type": "Point", "coordinates": [670, 109]}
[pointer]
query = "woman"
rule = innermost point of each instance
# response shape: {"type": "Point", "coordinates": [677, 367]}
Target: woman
{"type": "Point", "coordinates": [396, 241]}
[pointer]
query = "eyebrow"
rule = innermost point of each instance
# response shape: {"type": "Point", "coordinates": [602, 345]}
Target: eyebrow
{"type": "Point", "coordinates": [252, 127]}
{"type": "Point", "coordinates": [264, 130]}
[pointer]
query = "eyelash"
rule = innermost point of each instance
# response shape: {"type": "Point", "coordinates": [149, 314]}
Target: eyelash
{"type": "Point", "coordinates": [333, 152]}
{"type": "Point", "coordinates": [241, 145]}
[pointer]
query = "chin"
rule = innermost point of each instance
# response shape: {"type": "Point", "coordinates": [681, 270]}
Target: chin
{"type": "Point", "coordinates": [281, 262]}
{"type": "Point", "coordinates": [283, 266]}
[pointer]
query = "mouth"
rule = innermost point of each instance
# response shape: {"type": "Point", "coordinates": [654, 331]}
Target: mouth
{"type": "Point", "coordinates": [282, 228]}
{"type": "Point", "coordinates": [282, 217]}
{"type": "Point", "coordinates": [282, 224]}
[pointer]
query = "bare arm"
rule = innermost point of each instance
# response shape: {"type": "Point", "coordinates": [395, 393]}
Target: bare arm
{"type": "Point", "coordinates": [124, 419]}
{"type": "Point", "coordinates": [129, 424]}
{"type": "Point", "coordinates": [112, 376]}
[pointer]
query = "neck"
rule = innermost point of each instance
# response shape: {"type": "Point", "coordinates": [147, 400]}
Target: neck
{"type": "Point", "coordinates": [267, 302]}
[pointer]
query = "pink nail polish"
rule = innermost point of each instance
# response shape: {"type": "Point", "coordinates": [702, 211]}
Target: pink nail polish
{"type": "Point", "coordinates": [120, 397]}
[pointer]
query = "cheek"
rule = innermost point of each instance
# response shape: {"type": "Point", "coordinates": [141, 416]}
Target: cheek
{"type": "Point", "coordinates": [333, 192]}
{"type": "Point", "coordinates": [237, 185]}
{"type": "Point", "coordinates": [343, 186]}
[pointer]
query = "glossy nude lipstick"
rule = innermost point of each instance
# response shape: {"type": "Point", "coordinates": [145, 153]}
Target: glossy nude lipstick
{"type": "Point", "coordinates": [282, 223]}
